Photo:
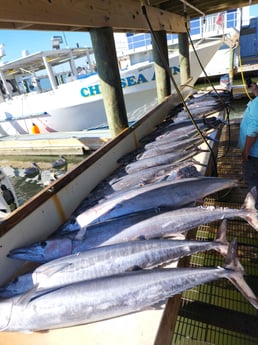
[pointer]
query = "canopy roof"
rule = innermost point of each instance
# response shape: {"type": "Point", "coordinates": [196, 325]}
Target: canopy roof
{"type": "Point", "coordinates": [123, 15]}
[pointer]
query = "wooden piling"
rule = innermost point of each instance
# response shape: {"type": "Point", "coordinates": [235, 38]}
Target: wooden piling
{"type": "Point", "coordinates": [161, 62]}
{"type": "Point", "coordinates": [108, 71]}
{"type": "Point", "coordinates": [184, 57]}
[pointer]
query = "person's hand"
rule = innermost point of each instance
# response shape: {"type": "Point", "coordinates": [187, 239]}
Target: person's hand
{"type": "Point", "coordinates": [244, 156]}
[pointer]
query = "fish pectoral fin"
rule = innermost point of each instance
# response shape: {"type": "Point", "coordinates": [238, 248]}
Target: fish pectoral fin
{"type": "Point", "coordinates": [81, 234]}
{"type": "Point", "coordinates": [221, 235]}
{"type": "Point", "coordinates": [26, 297]}
{"type": "Point", "coordinates": [249, 202]}
{"type": "Point", "coordinates": [47, 272]}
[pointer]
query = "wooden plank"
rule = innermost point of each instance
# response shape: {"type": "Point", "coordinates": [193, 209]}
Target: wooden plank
{"type": "Point", "coordinates": [27, 145]}
{"type": "Point", "coordinates": [168, 321]}
{"type": "Point", "coordinates": [137, 329]}
{"type": "Point", "coordinates": [73, 15]}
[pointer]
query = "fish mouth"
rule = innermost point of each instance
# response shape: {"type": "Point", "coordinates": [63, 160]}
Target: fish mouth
{"type": "Point", "coordinates": [23, 254]}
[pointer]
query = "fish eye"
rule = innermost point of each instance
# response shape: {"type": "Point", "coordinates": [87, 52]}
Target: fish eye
{"type": "Point", "coordinates": [43, 244]}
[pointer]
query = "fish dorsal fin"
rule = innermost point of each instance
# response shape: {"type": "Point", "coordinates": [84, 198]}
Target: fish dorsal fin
{"type": "Point", "coordinates": [221, 235]}
{"type": "Point", "coordinates": [249, 202]}
{"type": "Point", "coordinates": [44, 272]}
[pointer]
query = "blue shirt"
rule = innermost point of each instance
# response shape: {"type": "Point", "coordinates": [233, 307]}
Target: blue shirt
{"type": "Point", "coordinates": [249, 126]}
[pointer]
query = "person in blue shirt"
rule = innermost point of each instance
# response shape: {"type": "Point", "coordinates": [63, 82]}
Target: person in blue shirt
{"type": "Point", "coordinates": [248, 139]}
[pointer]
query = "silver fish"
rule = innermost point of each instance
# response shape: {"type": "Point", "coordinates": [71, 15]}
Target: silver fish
{"type": "Point", "coordinates": [109, 260]}
{"type": "Point", "coordinates": [167, 194]}
{"type": "Point", "coordinates": [179, 133]}
{"type": "Point", "coordinates": [161, 149]}
{"type": "Point", "coordinates": [161, 159]}
{"type": "Point", "coordinates": [121, 257]}
{"type": "Point", "coordinates": [166, 127]}
{"type": "Point", "coordinates": [161, 225]}
{"type": "Point", "coordinates": [142, 177]}
{"type": "Point", "coordinates": [104, 298]}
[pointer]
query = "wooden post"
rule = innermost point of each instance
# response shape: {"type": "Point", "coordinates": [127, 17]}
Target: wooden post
{"type": "Point", "coordinates": [159, 43]}
{"type": "Point", "coordinates": [184, 57]}
{"type": "Point", "coordinates": [107, 67]}
{"type": "Point", "coordinates": [231, 66]}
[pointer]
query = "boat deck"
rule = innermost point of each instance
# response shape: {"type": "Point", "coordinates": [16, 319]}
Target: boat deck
{"type": "Point", "coordinates": [216, 313]}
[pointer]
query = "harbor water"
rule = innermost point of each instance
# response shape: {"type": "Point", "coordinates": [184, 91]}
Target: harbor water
{"type": "Point", "coordinates": [26, 187]}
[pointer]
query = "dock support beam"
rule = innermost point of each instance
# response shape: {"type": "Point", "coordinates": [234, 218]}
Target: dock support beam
{"type": "Point", "coordinates": [159, 43]}
{"type": "Point", "coordinates": [231, 66]}
{"type": "Point", "coordinates": [107, 65]}
{"type": "Point", "coordinates": [184, 57]}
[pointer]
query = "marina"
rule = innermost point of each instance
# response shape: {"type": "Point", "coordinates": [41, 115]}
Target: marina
{"type": "Point", "coordinates": [169, 177]}
{"type": "Point", "coordinates": [155, 317]}
{"type": "Point", "coordinates": [77, 104]}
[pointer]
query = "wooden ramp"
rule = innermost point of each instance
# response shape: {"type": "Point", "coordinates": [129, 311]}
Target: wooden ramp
{"type": "Point", "coordinates": [56, 143]}
{"type": "Point", "coordinates": [216, 313]}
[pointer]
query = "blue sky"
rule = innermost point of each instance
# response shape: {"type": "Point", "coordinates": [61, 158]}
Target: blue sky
{"type": "Point", "coordinates": [15, 41]}
{"type": "Point", "coordinates": [254, 11]}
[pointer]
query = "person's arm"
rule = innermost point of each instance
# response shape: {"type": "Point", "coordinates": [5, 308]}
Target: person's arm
{"type": "Point", "coordinates": [249, 141]}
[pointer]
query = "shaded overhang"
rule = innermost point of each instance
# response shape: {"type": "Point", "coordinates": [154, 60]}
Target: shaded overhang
{"type": "Point", "coordinates": [123, 16]}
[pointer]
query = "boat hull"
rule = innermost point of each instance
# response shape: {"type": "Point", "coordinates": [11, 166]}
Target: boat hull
{"type": "Point", "coordinates": [78, 105]}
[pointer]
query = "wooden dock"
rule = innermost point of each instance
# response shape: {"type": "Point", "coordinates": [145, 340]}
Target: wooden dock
{"type": "Point", "coordinates": [56, 143]}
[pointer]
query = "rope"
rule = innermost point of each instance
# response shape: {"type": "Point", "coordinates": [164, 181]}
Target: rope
{"type": "Point", "coordinates": [166, 65]}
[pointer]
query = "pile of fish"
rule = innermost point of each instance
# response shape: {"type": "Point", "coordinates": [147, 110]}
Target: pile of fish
{"type": "Point", "coordinates": [112, 257]}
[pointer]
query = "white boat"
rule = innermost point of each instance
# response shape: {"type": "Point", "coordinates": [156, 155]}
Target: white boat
{"type": "Point", "coordinates": [77, 104]}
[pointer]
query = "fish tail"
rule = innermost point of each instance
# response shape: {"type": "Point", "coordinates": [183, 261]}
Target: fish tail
{"type": "Point", "coordinates": [198, 149]}
{"type": "Point", "coordinates": [251, 215]}
{"type": "Point", "coordinates": [237, 277]}
{"type": "Point", "coordinates": [221, 238]}
{"type": "Point", "coordinates": [250, 199]}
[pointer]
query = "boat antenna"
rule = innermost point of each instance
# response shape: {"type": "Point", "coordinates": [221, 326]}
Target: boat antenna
{"type": "Point", "coordinates": [166, 65]}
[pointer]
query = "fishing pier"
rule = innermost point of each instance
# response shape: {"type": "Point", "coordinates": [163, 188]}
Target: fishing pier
{"type": "Point", "coordinates": [209, 314]}
{"type": "Point", "coordinates": [213, 313]}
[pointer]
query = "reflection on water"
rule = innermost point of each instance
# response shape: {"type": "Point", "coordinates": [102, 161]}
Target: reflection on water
{"type": "Point", "coordinates": [26, 187]}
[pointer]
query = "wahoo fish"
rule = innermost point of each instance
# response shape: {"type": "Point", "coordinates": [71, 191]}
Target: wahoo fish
{"type": "Point", "coordinates": [178, 133]}
{"type": "Point", "coordinates": [164, 195]}
{"type": "Point", "coordinates": [108, 297]}
{"type": "Point", "coordinates": [110, 260]}
{"type": "Point", "coordinates": [139, 178]}
{"type": "Point", "coordinates": [162, 159]}
{"type": "Point", "coordinates": [165, 127]}
{"type": "Point", "coordinates": [167, 224]}
{"type": "Point", "coordinates": [168, 147]}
